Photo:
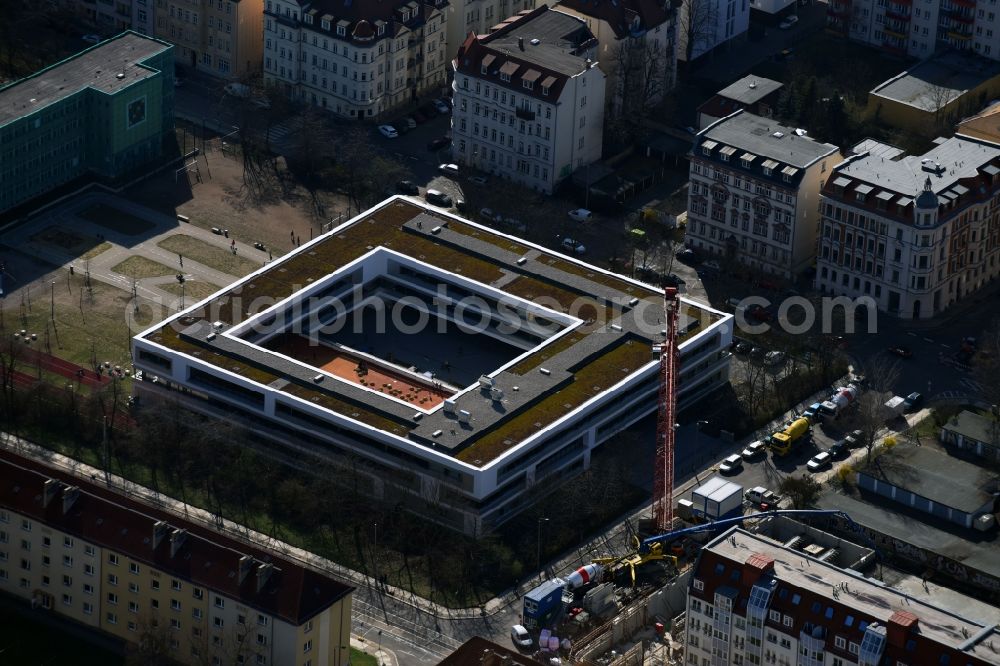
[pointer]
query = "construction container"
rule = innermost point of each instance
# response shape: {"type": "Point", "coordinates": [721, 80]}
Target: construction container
{"type": "Point", "coordinates": [543, 606]}
{"type": "Point", "coordinates": [716, 499]}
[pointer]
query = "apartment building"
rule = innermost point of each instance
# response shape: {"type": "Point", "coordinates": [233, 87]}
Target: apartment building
{"type": "Point", "coordinates": [357, 60]}
{"type": "Point", "coordinates": [915, 233]}
{"type": "Point", "coordinates": [104, 113]}
{"type": "Point", "coordinates": [705, 25]}
{"type": "Point", "coordinates": [130, 571]}
{"type": "Point", "coordinates": [919, 29]}
{"type": "Point", "coordinates": [752, 600]}
{"type": "Point", "coordinates": [636, 49]}
{"type": "Point", "coordinates": [754, 193]}
{"type": "Point", "coordinates": [478, 16]}
{"type": "Point", "coordinates": [529, 99]}
{"type": "Point", "coordinates": [109, 17]}
{"type": "Point", "coordinates": [222, 38]}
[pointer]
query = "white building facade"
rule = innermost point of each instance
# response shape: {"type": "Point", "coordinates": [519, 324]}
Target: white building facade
{"type": "Point", "coordinates": [355, 60]}
{"type": "Point", "coordinates": [754, 192]}
{"type": "Point", "coordinates": [919, 29]}
{"type": "Point", "coordinates": [529, 100]}
{"type": "Point", "coordinates": [916, 234]}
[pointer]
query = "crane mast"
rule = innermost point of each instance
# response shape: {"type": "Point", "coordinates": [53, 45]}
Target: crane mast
{"type": "Point", "coordinates": [663, 482]}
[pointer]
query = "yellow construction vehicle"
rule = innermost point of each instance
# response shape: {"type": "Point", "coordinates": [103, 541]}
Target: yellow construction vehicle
{"type": "Point", "coordinates": [616, 566]}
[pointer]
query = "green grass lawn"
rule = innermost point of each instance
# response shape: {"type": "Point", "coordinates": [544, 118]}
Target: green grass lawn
{"type": "Point", "coordinates": [359, 658]}
{"type": "Point", "coordinates": [25, 641]}
{"type": "Point", "coordinates": [116, 220]}
{"type": "Point", "coordinates": [140, 267]}
{"type": "Point", "coordinates": [210, 255]}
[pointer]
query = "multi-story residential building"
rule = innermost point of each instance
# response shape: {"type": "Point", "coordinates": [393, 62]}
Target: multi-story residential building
{"type": "Point", "coordinates": [357, 60]}
{"type": "Point", "coordinates": [916, 234]}
{"type": "Point", "coordinates": [529, 99]}
{"type": "Point", "coordinates": [919, 29]}
{"type": "Point", "coordinates": [110, 17]}
{"type": "Point", "coordinates": [222, 38]}
{"type": "Point", "coordinates": [478, 16]}
{"type": "Point", "coordinates": [636, 48]}
{"type": "Point", "coordinates": [753, 94]}
{"type": "Point", "coordinates": [132, 571]}
{"type": "Point", "coordinates": [752, 600]}
{"type": "Point", "coordinates": [754, 193]}
{"type": "Point", "coordinates": [104, 113]}
{"type": "Point", "coordinates": [705, 25]}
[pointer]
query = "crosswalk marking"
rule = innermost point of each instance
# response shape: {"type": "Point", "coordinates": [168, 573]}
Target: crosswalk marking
{"type": "Point", "coordinates": [971, 384]}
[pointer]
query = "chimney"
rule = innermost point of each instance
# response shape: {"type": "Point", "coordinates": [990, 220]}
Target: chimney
{"type": "Point", "coordinates": [177, 539]}
{"type": "Point", "coordinates": [263, 574]}
{"type": "Point", "coordinates": [756, 566]}
{"type": "Point", "coordinates": [520, 43]}
{"type": "Point", "coordinates": [246, 564]}
{"type": "Point", "coordinates": [160, 529]}
{"type": "Point", "coordinates": [49, 491]}
{"type": "Point", "coordinates": [901, 623]}
{"type": "Point", "coordinates": [70, 493]}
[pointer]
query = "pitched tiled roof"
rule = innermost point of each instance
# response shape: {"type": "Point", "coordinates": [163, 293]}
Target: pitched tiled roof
{"type": "Point", "coordinates": [204, 557]}
{"type": "Point", "coordinates": [620, 14]}
{"type": "Point", "coordinates": [361, 18]}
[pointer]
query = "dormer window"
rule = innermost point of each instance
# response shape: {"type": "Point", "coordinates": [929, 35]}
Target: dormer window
{"type": "Point", "coordinates": [724, 156]}
{"type": "Point", "coordinates": [341, 30]}
{"type": "Point", "coordinates": [785, 177]}
{"type": "Point", "coordinates": [309, 19]}
{"type": "Point", "coordinates": [505, 77]}
{"type": "Point", "coordinates": [745, 163]}
{"type": "Point", "coordinates": [528, 84]}
{"type": "Point", "coordinates": [325, 24]}
{"type": "Point", "coordinates": [545, 90]}
{"type": "Point", "coordinates": [381, 30]}
{"type": "Point", "coordinates": [767, 171]}
{"type": "Point", "coordinates": [705, 150]}
{"type": "Point", "coordinates": [406, 15]}
{"type": "Point", "coordinates": [482, 68]}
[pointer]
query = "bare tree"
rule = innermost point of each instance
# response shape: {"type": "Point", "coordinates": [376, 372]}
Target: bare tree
{"type": "Point", "coordinates": [881, 373]}
{"type": "Point", "coordinates": [639, 76]}
{"type": "Point", "coordinates": [697, 26]}
{"type": "Point", "coordinates": [938, 99]}
{"type": "Point", "coordinates": [986, 363]}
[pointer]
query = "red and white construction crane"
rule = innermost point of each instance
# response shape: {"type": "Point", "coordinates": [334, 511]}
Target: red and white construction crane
{"type": "Point", "coordinates": [663, 481]}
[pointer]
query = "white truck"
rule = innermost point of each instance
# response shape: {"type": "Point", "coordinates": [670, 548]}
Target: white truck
{"type": "Point", "coordinates": [843, 398]}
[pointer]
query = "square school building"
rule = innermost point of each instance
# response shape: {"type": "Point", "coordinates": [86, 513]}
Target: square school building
{"type": "Point", "coordinates": [504, 365]}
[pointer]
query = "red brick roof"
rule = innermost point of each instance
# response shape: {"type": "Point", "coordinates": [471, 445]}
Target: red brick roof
{"type": "Point", "coordinates": [205, 558]}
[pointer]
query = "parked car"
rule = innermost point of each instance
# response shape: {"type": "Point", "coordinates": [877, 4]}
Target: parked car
{"type": "Point", "coordinates": [839, 449]}
{"type": "Point", "coordinates": [388, 131]}
{"type": "Point", "coordinates": [819, 461]}
{"type": "Point", "coordinates": [448, 169]}
{"type": "Point", "coordinates": [774, 357]}
{"type": "Point", "coordinates": [573, 245]}
{"type": "Point", "coordinates": [410, 122]}
{"type": "Point", "coordinates": [520, 637]}
{"type": "Point", "coordinates": [913, 402]}
{"type": "Point", "coordinates": [478, 180]}
{"type": "Point", "coordinates": [460, 205]}
{"type": "Point", "coordinates": [688, 256]}
{"type": "Point", "coordinates": [581, 215]}
{"type": "Point", "coordinates": [237, 90]}
{"type": "Point", "coordinates": [731, 464]}
{"type": "Point", "coordinates": [743, 348]}
{"type": "Point", "coordinates": [438, 198]}
{"type": "Point", "coordinates": [441, 106]}
{"type": "Point", "coordinates": [812, 412]}
{"type": "Point", "coordinates": [901, 352]}
{"type": "Point", "coordinates": [674, 280]}
{"type": "Point", "coordinates": [407, 187]}
{"type": "Point", "coordinates": [91, 39]}
{"type": "Point", "coordinates": [789, 22]}
{"type": "Point", "coordinates": [855, 438]}
{"type": "Point", "coordinates": [437, 144]}
{"type": "Point", "coordinates": [712, 265]}
{"type": "Point", "coordinates": [754, 450]}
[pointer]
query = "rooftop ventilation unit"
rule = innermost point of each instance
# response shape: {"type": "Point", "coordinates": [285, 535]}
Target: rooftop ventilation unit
{"type": "Point", "coordinates": [464, 417]}
{"type": "Point", "coordinates": [536, 42]}
{"type": "Point", "coordinates": [218, 326]}
{"type": "Point", "coordinates": [496, 394]}
{"type": "Point", "coordinates": [778, 135]}
{"type": "Point", "coordinates": [485, 381]}
{"type": "Point", "coordinates": [449, 406]}
{"type": "Point", "coordinates": [932, 167]}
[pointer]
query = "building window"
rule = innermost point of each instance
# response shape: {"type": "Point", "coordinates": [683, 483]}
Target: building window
{"type": "Point", "coordinates": [307, 647]}
{"type": "Point", "coordinates": [220, 602]}
{"type": "Point", "coordinates": [698, 584]}
{"type": "Point", "coordinates": [133, 568]}
{"type": "Point", "coordinates": [133, 588]}
{"type": "Point", "coordinates": [112, 579]}
{"type": "Point", "coordinates": [218, 622]}
{"type": "Point", "coordinates": [112, 618]}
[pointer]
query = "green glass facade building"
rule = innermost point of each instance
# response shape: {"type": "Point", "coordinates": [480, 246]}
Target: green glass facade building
{"type": "Point", "coordinates": [107, 113]}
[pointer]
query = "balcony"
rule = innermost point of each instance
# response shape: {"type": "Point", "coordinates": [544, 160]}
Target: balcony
{"type": "Point", "coordinates": [962, 18]}
{"type": "Point", "coordinates": [524, 114]}
{"type": "Point", "coordinates": [959, 36]}
{"type": "Point", "coordinates": [968, 4]}
{"type": "Point", "coordinates": [897, 13]}
{"type": "Point", "coordinates": [895, 32]}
